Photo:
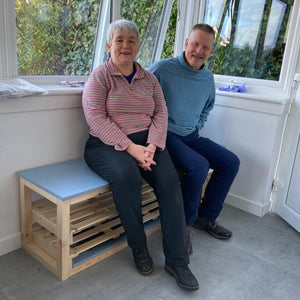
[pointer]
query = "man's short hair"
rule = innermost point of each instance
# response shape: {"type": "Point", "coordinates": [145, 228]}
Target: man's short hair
{"type": "Point", "coordinates": [203, 27]}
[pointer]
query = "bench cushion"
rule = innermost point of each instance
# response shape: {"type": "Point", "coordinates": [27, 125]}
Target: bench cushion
{"type": "Point", "coordinates": [65, 180]}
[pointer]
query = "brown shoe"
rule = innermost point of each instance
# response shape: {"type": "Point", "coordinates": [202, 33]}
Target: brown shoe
{"type": "Point", "coordinates": [213, 228]}
{"type": "Point", "coordinates": [184, 277]}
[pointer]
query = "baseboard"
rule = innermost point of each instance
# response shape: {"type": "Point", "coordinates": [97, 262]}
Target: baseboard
{"type": "Point", "coordinates": [247, 205]}
{"type": "Point", "coordinates": [10, 244]}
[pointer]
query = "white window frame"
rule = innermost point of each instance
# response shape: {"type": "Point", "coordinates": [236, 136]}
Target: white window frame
{"type": "Point", "coordinates": [191, 12]}
{"type": "Point", "coordinates": [110, 11]}
{"type": "Point", "coordinates": [8, 57]}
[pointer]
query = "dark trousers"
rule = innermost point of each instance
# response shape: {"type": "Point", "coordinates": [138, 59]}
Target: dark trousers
{"type": "Point", "coordinates": [194, 156]}
{"type": "Point", "coordinates": [124, 175]}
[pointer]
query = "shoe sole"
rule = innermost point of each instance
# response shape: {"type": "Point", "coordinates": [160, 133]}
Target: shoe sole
{"type": "Point", "coordinates": [218, 236]}
{"type": "Point", "coordinates": [172, 273]}
{"type": "Point", "coordinates": [144, 273]}
{"type": "Point", "coordinates": [212, 234]}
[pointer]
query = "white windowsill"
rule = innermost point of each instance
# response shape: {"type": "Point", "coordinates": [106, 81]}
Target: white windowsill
{"type": "Point", "coordinates": [61, 90]}
{"type": "Point", "coordinates": [262, 99]}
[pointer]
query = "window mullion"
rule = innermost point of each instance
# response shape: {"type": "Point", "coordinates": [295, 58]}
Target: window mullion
{"type": "Point", "coordinates": [115, 10]}
{"type": "Point", "coordinates": [8, 46]}
{"type": "Point", "coordinates": [163, 26]}
{"type": "Point", "coordinates": [102, 26]}
{"type": "Point", "coordinates": [189, 13]}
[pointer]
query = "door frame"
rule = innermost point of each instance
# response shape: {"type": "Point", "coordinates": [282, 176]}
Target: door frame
{"type": "Point", "coordinates": [291, 142]}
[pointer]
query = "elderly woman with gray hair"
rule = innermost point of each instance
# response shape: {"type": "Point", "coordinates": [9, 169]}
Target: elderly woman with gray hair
{"type": "Point", "coordinates": [126, 112]}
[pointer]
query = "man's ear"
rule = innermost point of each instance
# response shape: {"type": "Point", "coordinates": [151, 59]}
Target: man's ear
{"type": "Point", "coordinates": [186, 43]}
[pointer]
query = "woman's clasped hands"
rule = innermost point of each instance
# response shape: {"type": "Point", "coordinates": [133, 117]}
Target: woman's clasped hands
{"type": "Point", "coordinates": [143, 155]}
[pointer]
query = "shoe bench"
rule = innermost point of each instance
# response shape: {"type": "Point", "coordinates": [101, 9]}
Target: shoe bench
{"type": "Point", "coordinates": [74, 223]}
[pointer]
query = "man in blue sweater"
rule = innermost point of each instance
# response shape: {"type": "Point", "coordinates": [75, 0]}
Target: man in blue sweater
{"type": "Point", "coordinates": [189, 90]}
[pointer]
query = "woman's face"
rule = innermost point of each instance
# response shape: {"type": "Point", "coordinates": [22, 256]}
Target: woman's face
{"type": "Point", "coordinates": [124, 47]}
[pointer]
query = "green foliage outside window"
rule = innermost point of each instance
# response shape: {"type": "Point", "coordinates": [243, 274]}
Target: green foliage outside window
{"type": "Point", "coordinates": [56, 37]}
{"type": "Point", "coordinates": [168, 49]}
{"type": "Point", "coordinates": [146, 14]}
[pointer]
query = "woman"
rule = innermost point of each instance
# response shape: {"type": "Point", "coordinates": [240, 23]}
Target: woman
{"type": "Point", "coordinates": [126, 112]}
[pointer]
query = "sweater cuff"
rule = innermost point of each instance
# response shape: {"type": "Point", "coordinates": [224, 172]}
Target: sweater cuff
{"type": "Point", "coordinates": [123, 144]}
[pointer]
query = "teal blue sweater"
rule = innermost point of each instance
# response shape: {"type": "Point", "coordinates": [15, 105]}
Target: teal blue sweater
{"type": "Point", "coordinates": [189, 94]}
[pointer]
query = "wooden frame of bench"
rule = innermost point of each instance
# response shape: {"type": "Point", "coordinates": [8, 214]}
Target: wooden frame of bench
{"type": "Point", "coordinates": [54, 226]}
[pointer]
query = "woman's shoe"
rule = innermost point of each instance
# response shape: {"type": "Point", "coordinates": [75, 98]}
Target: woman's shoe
{"type": "Point", "coordinates": [143, 261]}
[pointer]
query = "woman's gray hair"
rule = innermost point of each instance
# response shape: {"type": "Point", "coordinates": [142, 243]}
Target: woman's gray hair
{"type": "Point", "coordinates": [122, 25]}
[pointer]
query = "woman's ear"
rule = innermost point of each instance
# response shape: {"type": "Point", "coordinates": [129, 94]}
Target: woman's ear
{"type": "Point", "coordinates": [108, 47]}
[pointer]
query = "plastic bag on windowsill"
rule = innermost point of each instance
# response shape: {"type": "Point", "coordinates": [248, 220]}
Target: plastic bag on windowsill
{"type": "Point", "coordinates": [16, 88]}
{"type": "Point", "coordinates": [234, 88]}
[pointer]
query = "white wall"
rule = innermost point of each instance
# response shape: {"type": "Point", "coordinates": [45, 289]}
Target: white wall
{"type": "Point", "coordinates": [43, 130]}
{"type": "Point", "coordinates": [252, 129]}
{"type": "Point", "coordinates": [34, 131]}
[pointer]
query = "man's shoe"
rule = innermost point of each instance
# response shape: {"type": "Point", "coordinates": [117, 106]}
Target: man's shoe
{"type": "Point", "coordinates": [184, 277]}
{"type": "Point", "coordinates": [189, 240]}
{"type": "Point", "coordinates": [143, 261]}
{"type": "Point", "coordinates": [213, 228]}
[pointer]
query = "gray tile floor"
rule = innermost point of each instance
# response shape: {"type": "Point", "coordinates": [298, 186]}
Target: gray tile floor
{"type": "Point", "coordinates": [261, 261]}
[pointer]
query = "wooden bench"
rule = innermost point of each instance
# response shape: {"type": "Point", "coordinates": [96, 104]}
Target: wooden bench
{"type": "Point", "coordinates": [74, 223]}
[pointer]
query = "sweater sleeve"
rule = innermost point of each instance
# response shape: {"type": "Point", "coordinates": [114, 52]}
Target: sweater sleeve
{"type": "Point", "coordinates": [94, 107]}
{"type": "Point", "coordinates": [158, 128]}
{"type": "Point", "coordinates": [208, 106]}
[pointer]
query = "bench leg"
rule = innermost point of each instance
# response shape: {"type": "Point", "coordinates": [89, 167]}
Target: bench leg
{"type": "Point", "coordinates": [26, 213]}
{"type": "Point", "coordinates": [63, 239]}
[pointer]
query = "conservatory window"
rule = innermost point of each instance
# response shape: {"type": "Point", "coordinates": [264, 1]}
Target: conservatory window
{"type": "Point", "coordinates": [56, 37]}
{"type": "Point", "coordinates": [68, 38]}
{"type": "Point", "coordinates": [250, 37]}
{"type": "Point", "coordinates": [151, 17]}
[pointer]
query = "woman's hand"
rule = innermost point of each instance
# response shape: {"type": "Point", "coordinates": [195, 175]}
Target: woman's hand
{"type": "Point", "coordinates": [143, 155]}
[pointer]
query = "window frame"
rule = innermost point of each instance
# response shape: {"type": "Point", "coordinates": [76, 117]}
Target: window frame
{"type": "Point", "coordinates": [190, 12]}
{"type": "Point", "coordinates": [110, 11]}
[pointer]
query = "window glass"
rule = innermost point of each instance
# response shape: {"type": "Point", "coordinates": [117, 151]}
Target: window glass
{"type": "Point", "coordinates": [146, 14]}
{"type": "Point", "coordinates": [56, 37]}
{"type": "Point", "coordinates": [169, 43]}
{"type": "Point", "coordinates": [250, 36]}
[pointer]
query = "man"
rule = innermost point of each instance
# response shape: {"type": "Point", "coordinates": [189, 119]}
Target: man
{"type": "Point", "coordinates": [189, 90]}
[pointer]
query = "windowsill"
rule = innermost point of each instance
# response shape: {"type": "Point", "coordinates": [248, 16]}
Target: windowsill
{"type": "Point", "coordinates": [261, 99]}
{"type": "Point", "coordinates": [61, 90]}
{"type": "Point", "coordinates": [256, 93]}
{"type": "Point", "coordinates": [264, 95]}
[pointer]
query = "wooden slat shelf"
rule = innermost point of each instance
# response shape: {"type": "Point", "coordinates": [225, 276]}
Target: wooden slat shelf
{"type": "Point", "coordinates": [92, 222]}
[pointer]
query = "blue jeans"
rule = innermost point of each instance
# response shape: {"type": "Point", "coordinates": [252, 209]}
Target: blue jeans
{"type": "Point", "coordinates": [125, 177]}
{"type": "Point", "coordinates": [194, 156]}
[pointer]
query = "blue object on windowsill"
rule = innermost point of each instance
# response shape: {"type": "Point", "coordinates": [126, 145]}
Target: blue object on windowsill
{"type": "Point", "coordinates": [234, 88]}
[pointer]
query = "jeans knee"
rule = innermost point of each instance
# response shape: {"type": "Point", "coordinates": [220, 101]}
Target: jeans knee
{"type": "Point", "coordinates": [198, 170]}
{"type": "Point", "coordinates": [235, 163]}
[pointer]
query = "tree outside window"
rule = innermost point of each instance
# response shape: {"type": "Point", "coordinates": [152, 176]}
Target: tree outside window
{"type": "Point", "coordinates": [56, 37]}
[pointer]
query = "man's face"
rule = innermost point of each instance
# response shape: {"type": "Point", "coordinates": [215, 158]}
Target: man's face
{"type": "Point", "coordinates": [198, 48]}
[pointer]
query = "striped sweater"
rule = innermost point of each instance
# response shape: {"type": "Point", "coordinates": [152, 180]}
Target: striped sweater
{"type": "Point", "coordinates": [114, 108]}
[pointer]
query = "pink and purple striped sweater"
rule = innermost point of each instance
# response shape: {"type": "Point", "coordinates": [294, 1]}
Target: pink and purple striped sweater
{"type": "Point", "coordinates": [114, 108]}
